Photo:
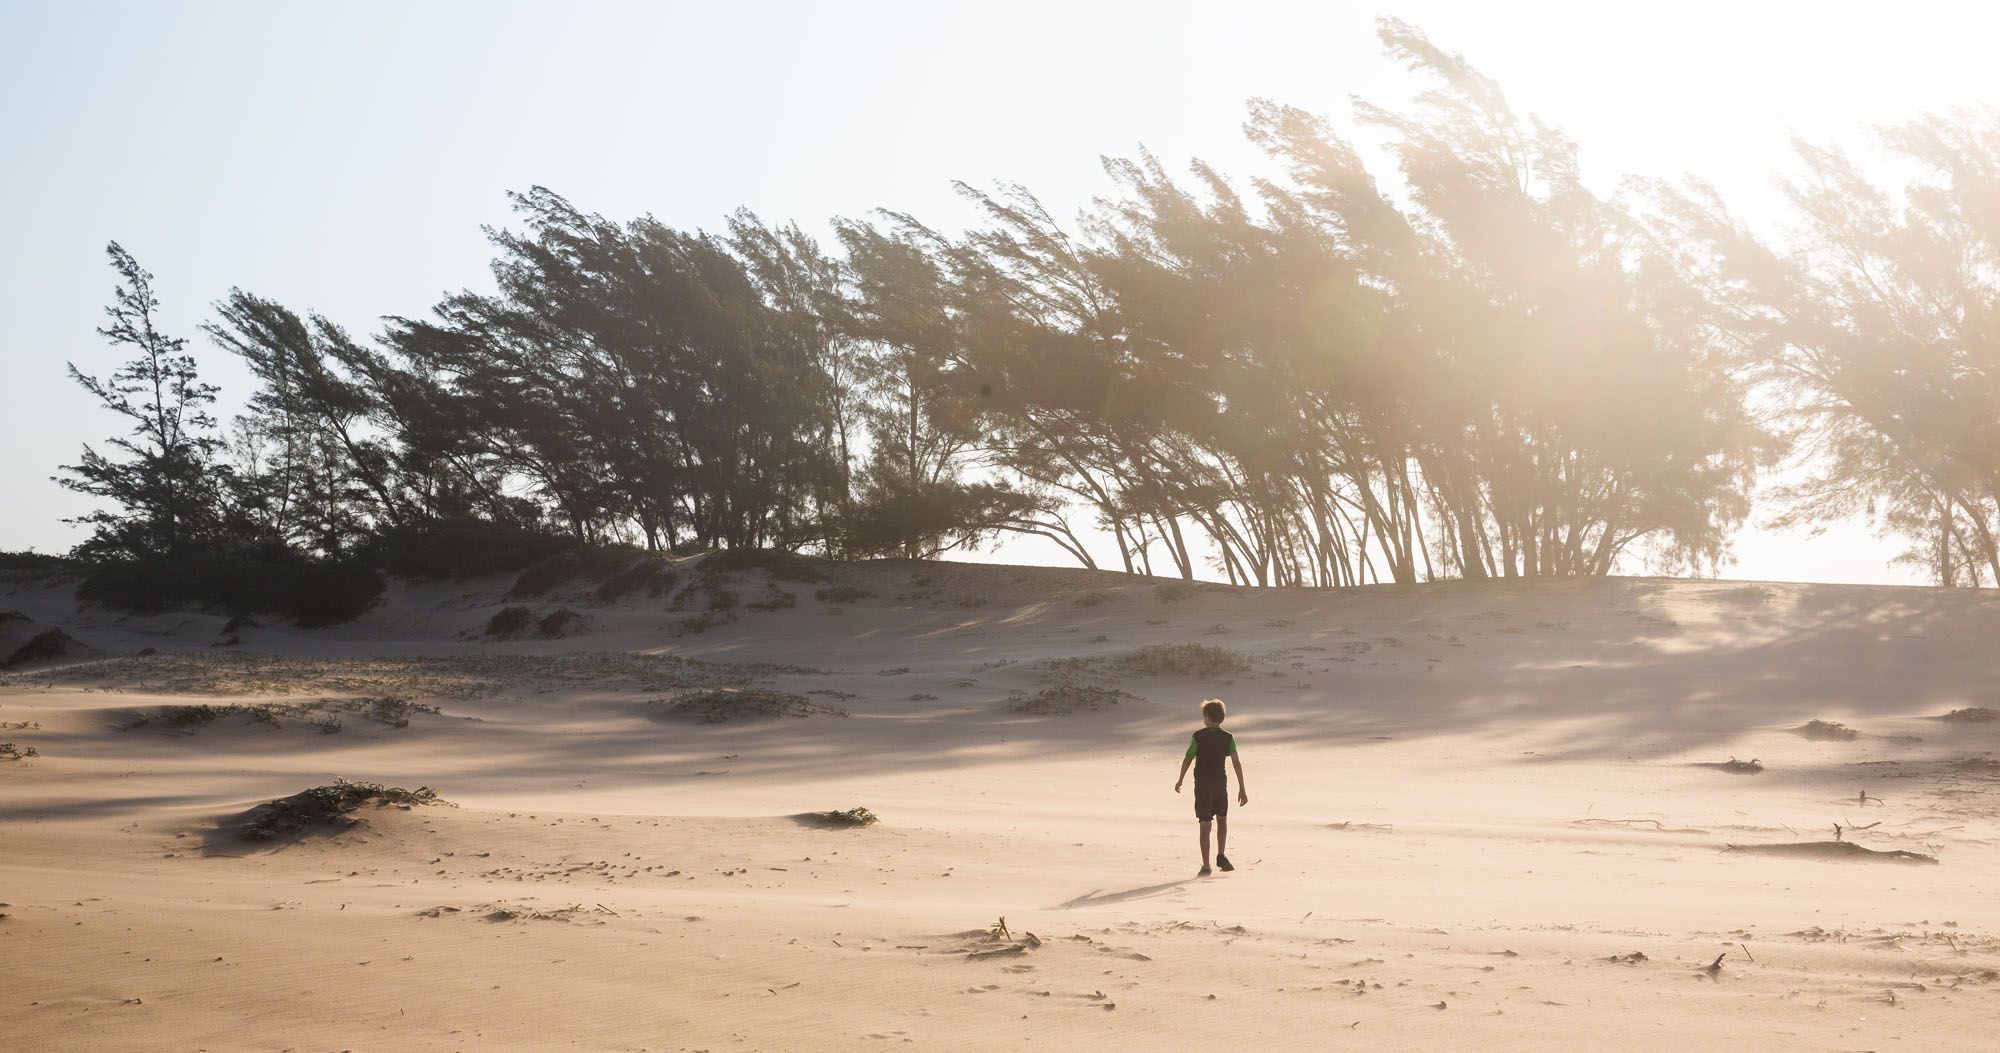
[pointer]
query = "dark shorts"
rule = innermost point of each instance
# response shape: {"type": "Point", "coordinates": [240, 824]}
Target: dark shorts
{"type": "Point", "coordinates": [1211, 798]}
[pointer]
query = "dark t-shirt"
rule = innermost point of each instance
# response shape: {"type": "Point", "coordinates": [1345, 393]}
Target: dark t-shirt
{"type": "Point", "coordinates": [1208, 747]}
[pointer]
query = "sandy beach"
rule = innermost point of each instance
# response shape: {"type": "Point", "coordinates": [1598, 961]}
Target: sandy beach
{"type": "Point", "coordinates": [1482, 816]}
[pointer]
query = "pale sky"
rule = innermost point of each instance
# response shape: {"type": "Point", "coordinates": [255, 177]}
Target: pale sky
{"type": "Point", "coordinates": [342, 157]}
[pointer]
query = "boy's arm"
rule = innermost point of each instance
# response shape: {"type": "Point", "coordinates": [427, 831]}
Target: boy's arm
{"type": "Point", "coordinates": [1185, 761]}
{"type": "Point", "coordinates": [1242, 791]}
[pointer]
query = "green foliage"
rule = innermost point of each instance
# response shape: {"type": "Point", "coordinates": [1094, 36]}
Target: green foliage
{"type": "Point", "coordinates": [9, 751]}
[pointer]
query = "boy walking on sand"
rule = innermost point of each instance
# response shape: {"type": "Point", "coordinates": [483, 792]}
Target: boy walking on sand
{"type": "Point", "coordinates": [1211, 784]}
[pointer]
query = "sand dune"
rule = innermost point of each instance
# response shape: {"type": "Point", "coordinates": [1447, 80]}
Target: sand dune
{"type": "Point", "coordinates": [1482, 817]}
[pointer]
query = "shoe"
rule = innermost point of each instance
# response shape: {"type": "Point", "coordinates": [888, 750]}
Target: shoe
{"type": "Point", "coordinates": [1204, 871]}
{"type": "Point", "coordinates": [1222, 863]}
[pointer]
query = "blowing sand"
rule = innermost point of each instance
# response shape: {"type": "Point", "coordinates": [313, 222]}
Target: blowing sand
{"type": "Point", "coordinates": [1481, 817]}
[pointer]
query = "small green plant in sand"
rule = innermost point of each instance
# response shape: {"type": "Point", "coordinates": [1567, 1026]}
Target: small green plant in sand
{"type": "Point", "coordinates": [323, 804]}
{"type": "Point", "coordinates": [849, 818]}
{"type": "Point", "coordinates": [721, 705]}
{"type": "Point", "coordinates": [9, 751]}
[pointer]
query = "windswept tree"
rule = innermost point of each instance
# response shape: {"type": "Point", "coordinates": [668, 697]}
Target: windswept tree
{"type": "Point", "coordinates": [166, 490]}
{"type": "Point", "coordinates": [1879, 332]}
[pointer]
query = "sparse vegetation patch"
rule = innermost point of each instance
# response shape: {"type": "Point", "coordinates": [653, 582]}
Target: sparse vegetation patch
{"type": "Point", "coordinates": [325, 804]}
{"type": "Point", "coordinates": [1067, 696]}
{"type": "Point", "coordinates": [1826, 731]}
{"type": "Point", "coordinates": [721, 705]}
{"type": "Point", "coordinates": [848, 819]}
{"type": "Point", "coordinates": [44, 646]}
{"type": "Point", "coordinates": [844, 593]}
{"type": "Point", "coordinates": [1972, 715]}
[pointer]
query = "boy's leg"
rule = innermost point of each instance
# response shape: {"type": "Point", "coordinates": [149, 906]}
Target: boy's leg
{"type": "Point", "coordinates": [1204, 844]}
{"type": "Point", "coordinates": [1221, 837]}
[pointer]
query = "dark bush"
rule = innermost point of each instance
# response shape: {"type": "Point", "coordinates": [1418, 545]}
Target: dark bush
{"type": "Point", "coordinates": [647, 572]}
{"type": "Point", "coordinates": [269, 579]}
{"type": "Point", "coordinates": [41, 647]}
{"type": "Point", "coordinates": [509, 622]}
{"type": "Point", "coordinates": [844, 593]}
{"type": "Point", "coordinates": [460, 548]}
{"type": "Point", "coordinates": [571, 565]}
{"type": "Point", "coordinates": [34, 562]}
{"type": "Point", "coordinates": [560, 623]}
{"type": "Point", "coordinates": [784, 566]}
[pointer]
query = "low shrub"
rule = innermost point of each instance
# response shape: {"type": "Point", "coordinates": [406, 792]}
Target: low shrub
{"type": "Point", "coordinates": [647, 572]}
{"type": "Point", "coordinates": [1185, 659]}
{"type": "Point", "coordinates": [1827, 731]}
{"type": "Point", "coordinates": [781, 565]}
{"type": "Point", "coordinates": [844, 593]}
{"type": "Point", "coordinates": [1174, 591]}
{"type": "Point", "coordinates": [1972, 715]}
{"type": "Point", "coordinates": [1067, 696]}
{"type": "Point", "coordinates": [263, 579]}
{"type": "Point", "coordinates": [509, 622]}
{"type": "Point", "coordinates": [34, 562]}
{"type": "Point", "coordinates": [323, 804]}
{"type": "Point", "coordinates": [724, 600]}
{"type": "Point", "coordinates": [460, 548]}
{"type": "Point", "coordinates": [774, 599]}
{"type": "Point", "coordinates": [723, 704]}
{"type": "Point", "coordinates": [559, 623]}
{"type": "Point", "coordinates": [850, 818]}
{"type": "Point", "coordinates": [1091, 599]}
{"type": "Point", "coordinates": [44, 646]}
{"type": "Point", "coordinates": [9, 751]}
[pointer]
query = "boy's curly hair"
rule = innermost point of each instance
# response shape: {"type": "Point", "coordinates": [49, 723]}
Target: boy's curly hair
{"type": "Point", "coordinates": [1213, 711]}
